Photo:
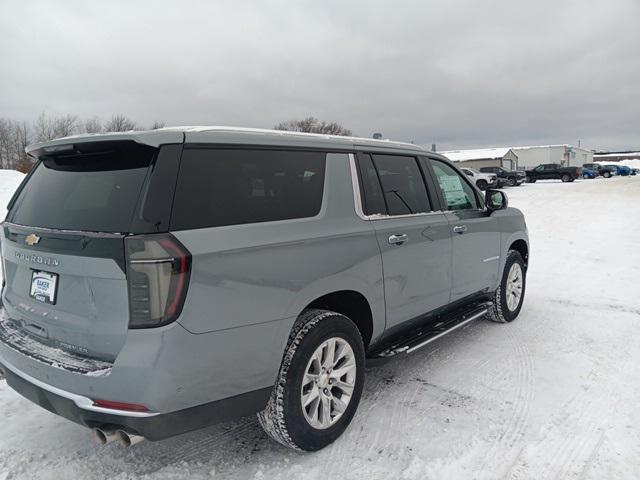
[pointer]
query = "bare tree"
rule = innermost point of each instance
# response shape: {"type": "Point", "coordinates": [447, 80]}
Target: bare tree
{"type": "Point", "coordinates": [5, 143]}
{"type": "Point", "coordinates": [313, 125]}
{"type": "Point", "coordinates": [157, 124]}
{"type": "Point", "coordinates": [49, 127]}
{"type": "Point", "coordinates": [14, 138]}
{"type": "Point", "coordinates": [119, 123]}
{"type": "Point", "coordinates": [92, 125]}
{"type": "Point", "coordinates": [43, 129]}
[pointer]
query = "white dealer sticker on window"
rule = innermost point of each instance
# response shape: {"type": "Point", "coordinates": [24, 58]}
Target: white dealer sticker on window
{"type": "Point", "coordinates": [453, 191]}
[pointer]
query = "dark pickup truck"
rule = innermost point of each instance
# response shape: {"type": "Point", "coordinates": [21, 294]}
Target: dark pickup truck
{"type": "Point", "coordinates": [512, 178]}
{"type": "Point", "coordinates": [551, 171]}
{"type": "Point", "coordinates": [606, 171]}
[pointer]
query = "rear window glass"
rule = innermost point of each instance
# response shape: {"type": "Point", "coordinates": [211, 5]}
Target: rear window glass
{"type": "Point", "coordinates": [97, 192]}
{"type": "Point", "coordinates": [218, 187]}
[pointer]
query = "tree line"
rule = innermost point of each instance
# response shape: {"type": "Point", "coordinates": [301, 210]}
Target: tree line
{"type": "Point", "coordinates": [15, 135]}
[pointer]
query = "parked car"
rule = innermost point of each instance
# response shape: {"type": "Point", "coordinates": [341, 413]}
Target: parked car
{"type": "Point", "coordinates": [512, 178]}
{"type": "Point", "coordinates": [621, 170]}
{"type": "Point", "coordinates": [549, 171]}
{"type": "Point", "coordinates": [587, 173]}
{"type": "Point", "coordinates": [482, 180]}
{"type": "Point", "coordinates": [159, 282]}
{"type": "Point", "coordinates": [605, 170]}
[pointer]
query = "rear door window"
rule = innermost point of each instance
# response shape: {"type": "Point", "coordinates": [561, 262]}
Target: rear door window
{"type": "Point", "coordinates": [96, 192]}
{"type": "Point", "coordinates": [218, 187]}
{"type": "Point", "coordinates": [403, 187]}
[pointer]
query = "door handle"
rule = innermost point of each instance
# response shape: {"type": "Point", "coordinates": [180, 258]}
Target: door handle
{"type": "Point", "coordinates": [398, 239]}
{"type": "Point", "coordinates": [460, 228]}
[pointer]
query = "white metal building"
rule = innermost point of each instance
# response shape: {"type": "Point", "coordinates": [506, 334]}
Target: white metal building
{"type": "Point", "coordinates": [567, 155]}
{"type": "Point", "coordinates": [521, 158]}
{"type": "Point", "coordinates": [484, 157]}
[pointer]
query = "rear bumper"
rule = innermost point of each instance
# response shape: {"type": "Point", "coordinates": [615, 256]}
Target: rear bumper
{"type": "Point", "coordinates": [151, 425]}
{"type": "Point", "coordinates": [186, 381]}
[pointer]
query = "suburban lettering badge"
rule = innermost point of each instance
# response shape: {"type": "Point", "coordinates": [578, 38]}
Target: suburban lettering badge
{"type": "Point", "coordinates": [39, 259]}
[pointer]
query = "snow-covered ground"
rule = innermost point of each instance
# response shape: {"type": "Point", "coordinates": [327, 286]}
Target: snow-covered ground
{"type": "Point", "coordinates": [552, 395]}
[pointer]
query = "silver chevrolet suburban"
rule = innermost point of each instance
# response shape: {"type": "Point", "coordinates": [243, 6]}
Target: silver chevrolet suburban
{"type": "Point", "coordinates": [158, 282]}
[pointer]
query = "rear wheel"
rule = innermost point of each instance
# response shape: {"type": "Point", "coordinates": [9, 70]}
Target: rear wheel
{"type": "Point", "coordinates": [606, 174]}
{"type": "Point", "coordinates": [319, 384]}
{"type": "Point", "coordinates": [585, 176]}
{"type": "Point", "coordinates": [512, 182]}
{"type": "Point", "coordinates": [530, 179]}
{"type": "Point", "coordinates": [565, 178]}
{"type": "Point", "coordinates": [482, 185]}
{"type": "Point", "coordinates": [508, 298]}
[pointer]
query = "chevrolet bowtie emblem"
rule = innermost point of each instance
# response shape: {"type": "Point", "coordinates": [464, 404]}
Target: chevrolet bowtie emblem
{"type": "Point", "coordinates": [32, 239]}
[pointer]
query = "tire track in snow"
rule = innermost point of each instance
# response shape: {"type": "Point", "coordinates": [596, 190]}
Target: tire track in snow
{"type": "Point", "coordinates": [503, 450]}
{"type": "Point", "coordinates": [380, 382]}
{"type": "Point", "coordinates": [398, 374]}
{"type": "Point", "coordinates": [576, 432]}
{"type": "Point", "coordinates": [202, 444]}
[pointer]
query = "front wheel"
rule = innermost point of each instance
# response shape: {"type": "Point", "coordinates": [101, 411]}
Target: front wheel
{"type": "Point", "coordinates": [482, 185]}
{"type": "Point", "coordinates": [508, 298]}
{"type": "Point", "coordinates": [319, 384]}
{"type": "Point", "coordinates": [606, 174]}
{"type": "Point", "coordinates": [512, 182]}
{"type": "Point", "coordinates": [565, 178]}
{"type": "Point", "coordinates": [585, 176]}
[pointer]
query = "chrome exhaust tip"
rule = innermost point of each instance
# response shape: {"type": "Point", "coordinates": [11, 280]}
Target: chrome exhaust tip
{"type": "Point", "coordinates": [104, 435]}
{"type": "Point", "coordinates": [128, 439]}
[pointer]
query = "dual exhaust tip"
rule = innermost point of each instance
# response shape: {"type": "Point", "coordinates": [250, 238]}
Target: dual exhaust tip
{"type": "Point", "coordinates": [108, 435]}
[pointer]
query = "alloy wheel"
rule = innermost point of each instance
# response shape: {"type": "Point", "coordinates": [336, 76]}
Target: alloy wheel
{"type": "Point", "coordinates": [328, 383]}
{"type": "Point", "coordinates": [514, 286]}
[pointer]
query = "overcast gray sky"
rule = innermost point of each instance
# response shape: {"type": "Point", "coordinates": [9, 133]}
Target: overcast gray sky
{"type": "Point", "coordinates": [461, 73]}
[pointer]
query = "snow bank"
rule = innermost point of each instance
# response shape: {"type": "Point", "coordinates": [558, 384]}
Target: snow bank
{"type": "Point", "coordinates": [9, 181]}
{"type": "Point", "coordinates": [631, 163]}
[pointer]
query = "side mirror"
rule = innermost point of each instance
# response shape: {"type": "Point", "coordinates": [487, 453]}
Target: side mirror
{"type": "Point", "coordinates": [495, 200]}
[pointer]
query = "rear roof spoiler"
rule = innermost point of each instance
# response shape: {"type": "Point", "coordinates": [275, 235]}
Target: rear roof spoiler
{"type": "Point", "coordinates": [153, 138]}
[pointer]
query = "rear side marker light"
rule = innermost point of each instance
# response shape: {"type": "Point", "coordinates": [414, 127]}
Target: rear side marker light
{"type": "Point", "coordinates": [158, 269]}
{"type": "Point", "coordinates": [130, 407]}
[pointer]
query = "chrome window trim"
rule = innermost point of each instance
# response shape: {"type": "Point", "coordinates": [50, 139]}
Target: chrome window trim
{"type": "Point", "coordinates": [357, 199]}
{"type": "Point", "coordinates": [85, 403]}
{"type": "Point", "coordinates": [62, 231]}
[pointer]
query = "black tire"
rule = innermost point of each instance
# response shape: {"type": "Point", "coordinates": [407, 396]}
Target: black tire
{"type": "Point", "coordinates": [530, 180]}
{"type": "Point", "coordinates": [585, 176]}
{"type": "Point", "coordinates": [512, 182]}
{"type": "Point", "coordinates": [283, 419]}
{"type": "Point", "coordinates": [482, 185]}
{"type": "Point", "coordinates": [606, 174]}
{"type": "Point", "coordinates": [500, 311]}
{"type": "Point", "coordinates": [565, 178]}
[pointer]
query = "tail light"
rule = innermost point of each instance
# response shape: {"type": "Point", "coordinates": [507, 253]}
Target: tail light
{"type": "Point", "coordinates": [158, 269]}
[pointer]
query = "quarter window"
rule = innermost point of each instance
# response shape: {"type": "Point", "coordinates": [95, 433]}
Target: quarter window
{"type": "Point", "coordinates": [458, 194]}
{"type": "Point", "coordinates": [402, 184]}
{"type": "Point", "coordinates": [372, 199]}
{"type": "Point", "coordinates": [218, 187]}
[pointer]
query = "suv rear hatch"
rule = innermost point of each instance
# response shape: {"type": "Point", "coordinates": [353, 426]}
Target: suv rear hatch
{"type": "Point", "coordinates": [64, 243]}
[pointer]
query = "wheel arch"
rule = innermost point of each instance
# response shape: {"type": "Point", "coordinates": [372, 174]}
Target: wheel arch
{"type": "Point", "coordinates": [522, 248]}
{"type": "Point", "coordinates": [351, 304]}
